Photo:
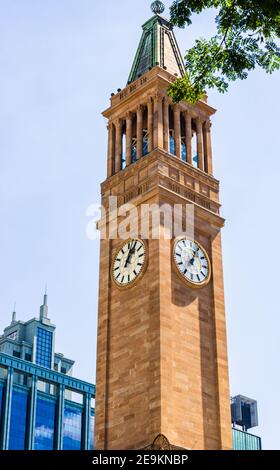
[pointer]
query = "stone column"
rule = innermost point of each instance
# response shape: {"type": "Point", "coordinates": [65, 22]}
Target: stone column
{"type": "Point", "coordinates": [208, 147]}
{"type": "Point", "coordinates": [110, 162]}
{"type": "Point", "coordinates": [150, 125]}
{"type": "Point", "coordinates": [200, 153]}
{"type": "Point", "coordinates": [118, 146]}
{"type": "Point", "coordinates": [166, 124]}
{"type": "Point", "coordinates": [32, 414]}
{"type": "Point", "coordinates": [158, 121]}
{"type": "Point", "coordinates": [177, 131]}
{"type": "Point", "coordinates": [128, 138]}
{"type": "Point", "coordinates": [188, 119]}
{"type": "Point", "coordinates": [139, 148]}
{"type": "Point", "coordinates": [6, 416]}
{"type": "Point", "coordinates": [60, 418]}
{"type": "Point", "coordinates": [86, 422]}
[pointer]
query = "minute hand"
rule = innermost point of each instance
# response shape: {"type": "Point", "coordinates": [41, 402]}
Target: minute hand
{"type": "Point", "coordinates": [131, 251]}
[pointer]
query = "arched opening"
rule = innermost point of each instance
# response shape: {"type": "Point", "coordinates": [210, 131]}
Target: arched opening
{"type": "Point", "coordinates": [194, 145]}
{"type": "Point", "coordinates": [134, 139]}
{"type": "Point", "coordinates": [183, 139]}
{"type": "Point", "coordinates": [145, 132]}
{"type": "Point", "coordinates": [123, 157]}
{"type": "Point", "coordinates": [172, 146]}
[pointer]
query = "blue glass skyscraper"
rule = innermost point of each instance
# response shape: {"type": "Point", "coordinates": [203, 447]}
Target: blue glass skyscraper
{"type": "Point", "coordinates": [42, 407]}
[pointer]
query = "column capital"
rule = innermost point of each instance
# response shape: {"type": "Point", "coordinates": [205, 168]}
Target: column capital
{"type": "Point", "coordinates": [117, 123]}
{"type": "Point", "coordinates": [208, 124]}
{"type": "Point", "coordinates": [167, 100]}
{"type": "Point", "coordinates": [159, 96]}
{"type": "Point", "coordinates": [177, 108]}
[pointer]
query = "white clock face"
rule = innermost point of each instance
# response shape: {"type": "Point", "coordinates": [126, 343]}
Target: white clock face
{"type": "Point", "coordinates": [129, 262]}
{"type": "Point", "coordinates": [192, 262]}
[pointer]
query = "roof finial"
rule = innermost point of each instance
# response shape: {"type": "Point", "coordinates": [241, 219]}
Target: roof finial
{"type": "Point", "coordinates": [14, 316]}
{"type": "Point", "coordinates": [157, 7]}
{"type": "Point", "coordinates": [44, 307]}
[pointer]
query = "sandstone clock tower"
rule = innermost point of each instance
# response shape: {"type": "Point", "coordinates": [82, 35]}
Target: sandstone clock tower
{"type": "Point", "coordinates": [162, 368]}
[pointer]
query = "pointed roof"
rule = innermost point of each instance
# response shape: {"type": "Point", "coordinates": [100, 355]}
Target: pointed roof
{"type": "Point", "coordinates": [158, 47]}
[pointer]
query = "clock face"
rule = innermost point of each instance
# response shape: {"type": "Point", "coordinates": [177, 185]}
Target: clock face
{"type": "Point", "coordinates": [192, 262]}
{"type": "Point", "coordinates": [129, 263]}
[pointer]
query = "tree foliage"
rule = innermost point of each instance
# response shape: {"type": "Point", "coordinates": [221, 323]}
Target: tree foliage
{"type": "Point", "coordinates": [247, 34]}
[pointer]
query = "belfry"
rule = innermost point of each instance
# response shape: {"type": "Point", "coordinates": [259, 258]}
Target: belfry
{"type": "Point", "coordinates": [162, 368]}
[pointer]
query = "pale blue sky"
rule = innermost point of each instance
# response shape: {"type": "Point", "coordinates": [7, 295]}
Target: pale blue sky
{"type": "Point", "coordinates": [59, 62]}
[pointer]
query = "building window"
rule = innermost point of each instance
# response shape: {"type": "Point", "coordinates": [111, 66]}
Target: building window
{"type": "Point", "coordinates": [16, 354]}
{"type": "Point", "coordinates": [28, 357]}
{"type": "Point", "coordinates": [245, 441]}
{"type": "Point", "coordinates": [63, 370]}
{"type": "Point", "coordinates": [13, 335]}
{"type": "Point", "coordinates": [1, 399]}
{"type": "Point", "coordinates": [72, 427]}
{"type": "Point", "coordinates": [18, 420]}
{"type": "Point", "coordinates": [91, 431]}
{"type": "Point", "coordinates": [44, 348]}
{"type": "Point", "coordinates": [45, 424]}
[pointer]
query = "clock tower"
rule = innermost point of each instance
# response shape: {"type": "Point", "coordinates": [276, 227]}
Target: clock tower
{"type": "Point", "coordinates": [162, 368]}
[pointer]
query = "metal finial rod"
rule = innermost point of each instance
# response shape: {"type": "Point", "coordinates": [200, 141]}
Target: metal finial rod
{"type": "Point", "coordinates": [157, 7]}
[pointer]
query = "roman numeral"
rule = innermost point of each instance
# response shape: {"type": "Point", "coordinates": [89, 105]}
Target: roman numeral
{"type": "Point", "coordinates": [198, 278]}
{"type": "Point", "coordinates": [118, 275]}
{"type": "Point", "coordinates": [140, 256]}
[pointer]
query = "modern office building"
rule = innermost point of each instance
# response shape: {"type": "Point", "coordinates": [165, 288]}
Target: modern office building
{"type": "Point", "coordinates": [42, 406]}
{"type": "Point", "coordinates": [244, 414]}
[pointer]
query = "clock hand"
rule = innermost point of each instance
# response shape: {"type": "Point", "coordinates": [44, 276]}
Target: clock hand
{"type": "Point", "coordinates": [195, 255]}
{"type": "Point", "coordinates": [130, 253]}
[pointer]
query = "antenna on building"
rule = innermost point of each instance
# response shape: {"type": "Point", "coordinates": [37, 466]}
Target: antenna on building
{"type": "Point", "coordinates": [44, 307]}
{"type": "Point", "coordinates": [14, 316]}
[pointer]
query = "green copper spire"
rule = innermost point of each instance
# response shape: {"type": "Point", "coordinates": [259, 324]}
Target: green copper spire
{"type": "Point", "coordinates": [158, 47]}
